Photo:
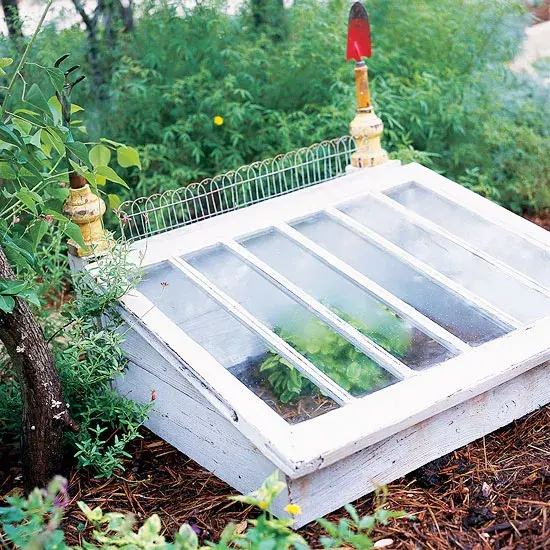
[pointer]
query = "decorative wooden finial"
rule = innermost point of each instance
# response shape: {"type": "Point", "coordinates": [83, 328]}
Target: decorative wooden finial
{"type": "Point", "coordinates": [366, 127]}
{"type": "Point", "coordinates": [82, 206]}
{"type": "Point", "coordinates": [86, 210]}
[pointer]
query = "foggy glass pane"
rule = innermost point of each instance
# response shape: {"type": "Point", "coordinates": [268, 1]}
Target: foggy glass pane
{"type": "Point", "coordinates": [352, 303]}
{"type": "Point", "coordinates": [477, 231]}
{"type": "Point", "coordinates": [232, 344]}
{"type": "Point", "coordinates": [324, 347]}
{"type": "Point", "coordinates": [433, 301]}
{"type": "Point", "coordinates": [460, 265]}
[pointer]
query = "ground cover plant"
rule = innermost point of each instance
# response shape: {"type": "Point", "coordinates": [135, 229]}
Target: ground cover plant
{"type": "Point", "coordinates": [34, 523]}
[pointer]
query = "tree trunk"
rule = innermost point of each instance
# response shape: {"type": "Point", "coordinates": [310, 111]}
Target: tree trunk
{"type": "Point", "coordinates": [45, 413]}
{"type": "Point", "coordinates": [93, 48]}
{"type": "Point", "coordinates": [13, 21]}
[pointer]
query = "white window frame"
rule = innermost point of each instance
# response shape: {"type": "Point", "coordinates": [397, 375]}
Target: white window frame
{"type": "Point", "coordinates": [301, 448]}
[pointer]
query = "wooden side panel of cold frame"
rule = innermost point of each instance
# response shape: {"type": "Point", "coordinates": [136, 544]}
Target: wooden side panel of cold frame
{"type": "Point", "coordinates": [185, 419]}
{"type": "Point", "coordinates": [327, 489]}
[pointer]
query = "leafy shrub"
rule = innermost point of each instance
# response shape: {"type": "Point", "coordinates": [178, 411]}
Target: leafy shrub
{"type": "Point", "coordinates": [35, 523]}
{"type": "Point", "coordinates": [88, 356]}
{"type": "Point", "coordinates": [439, 79]}
{"type": "Point", "coordinates": [39, 148]}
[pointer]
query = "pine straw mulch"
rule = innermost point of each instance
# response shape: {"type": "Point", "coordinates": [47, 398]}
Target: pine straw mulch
{"type": "Point", "coordinates": [493, 493]}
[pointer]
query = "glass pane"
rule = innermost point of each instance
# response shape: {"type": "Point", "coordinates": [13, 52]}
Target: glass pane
{"type": "Point", "coordinates": [471, 271]}
{"type": "Point", "coordinates": [325, 348]}
{"type": "Point", "coordinates": [433, 301]}
{"type": "Point", "coordinates": [346, 299]}
{"type": "Point", "coordinates": [479, 232]}
{"type": "Point", "coordinates": [232, 344]}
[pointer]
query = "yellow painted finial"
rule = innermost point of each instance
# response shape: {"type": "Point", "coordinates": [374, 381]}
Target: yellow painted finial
{"type": "Point", "coordinates": [86, 210]}
{"type": "Point", "coordinates": [366, 127]}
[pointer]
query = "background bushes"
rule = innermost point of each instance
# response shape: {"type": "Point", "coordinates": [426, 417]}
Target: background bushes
{"type": "Point", "coordinates": [439, 78]}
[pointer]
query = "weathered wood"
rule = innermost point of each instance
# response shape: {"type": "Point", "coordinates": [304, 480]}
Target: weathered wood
{"type": "Point", "coordinates": [350, 478]}
{"type": "Point", "coordinates": [184, 418]}
{"type": "Point", "coordinates": [342, 454]}
{"type": "Point", "coordinates": [233, 401]}
{"type": "Point", "coordinates": [418, 398]}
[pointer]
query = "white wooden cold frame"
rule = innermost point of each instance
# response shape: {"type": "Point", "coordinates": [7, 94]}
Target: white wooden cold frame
{"type": "Point", "coordinates": [334, 458]}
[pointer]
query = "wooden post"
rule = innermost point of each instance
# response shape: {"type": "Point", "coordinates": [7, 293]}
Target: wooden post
{"type": "Point", "coordinates": [366, 127]}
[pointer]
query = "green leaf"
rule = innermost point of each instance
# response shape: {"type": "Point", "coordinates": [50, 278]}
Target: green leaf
{"type": "Point", "coordinates": [57, 77]}
{"type": "Point", "coordinates": [7, 303]}
{"type": "Point", "coordinates": [31, 116]}
{"type": "Point", "coordinates": [35, 97]}
{"type": "Point", "coordinates": [73, 232]}
{"type": "Point", "coordinates": [127, 156]}
{"type": "Point", "coordinates": [30, 295]}
{"type": "Point", "coordinates": [109, 174]}
{"type": "Point", "coordinates": [100, 155]}
{"type": "Point", "coordinates": [7, 135]}
{"type": "Point", "coordinates": [50, 138]}
{"type": "Point", "coordinates": [57, 192]}
{"type": "Point", "coordinates": [114, 201]}
{"type": "Point", "coordinates": [7, 172]}
{"type": "Point", "coordinates": [4, 62]}
{"type": "Point", "coordinates": [23, 126]}
{"type": "Point", "coordinates": [57, 216]}
{"type": "Point", "coordinates": [12, 287]}
{"type": "Point", "coordinates": [111, 142]}
{"type": "Point", "coordinates": [19, 252]}
{"type": "Point", "coordinates": [35, 139]}
{"type": "Point", "coordinates": [28, 198]}
{"type": "Point", "coordinates": [37, 231]}
{"type": "Point", "coordinates": [80, 150]}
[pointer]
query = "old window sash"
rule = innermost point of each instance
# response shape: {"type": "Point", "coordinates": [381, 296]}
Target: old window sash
{"type": "Point", "coordinates": [502, 318]}
{"type": "Point", "coordinates": [301, 204]}
{"type": "Point", "coordinates": [275, 342]}
{"type": "Point", "coordinates": [398, 407]}
{"type": "Point", "coordinates": [229, 396]}
{"type": "Point", "coordinates": [434, 229]}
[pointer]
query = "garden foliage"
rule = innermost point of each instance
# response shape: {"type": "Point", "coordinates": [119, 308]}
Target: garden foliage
{"type": "Point", "coordinates": [38, 149]}
{"type": "Point", "coordinates": [339, 359]}
{"type": "Point", "coordinates": [35, 523]}
{"type": "Point", "coordinates": [199, 91]}
{"type": "Point", "coordinates": [439, 79]}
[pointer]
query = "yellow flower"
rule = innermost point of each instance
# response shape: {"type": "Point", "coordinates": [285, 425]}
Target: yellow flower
{"type": "Point", "coordinates": [293, 509]}
{"type": "Point", "coordinates": [262, 505]}
{"type": "Point", "coordinates": [218, 120]}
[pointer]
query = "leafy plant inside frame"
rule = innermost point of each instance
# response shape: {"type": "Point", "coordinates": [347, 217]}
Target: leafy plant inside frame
{"type": "Point", "coordinates": [336, 357]}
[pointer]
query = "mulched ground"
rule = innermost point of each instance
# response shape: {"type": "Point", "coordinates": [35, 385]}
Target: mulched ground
{"type": "Point", "coordinates": [542, 219]}
{"type": "Point", "coordinates": [493, 493]}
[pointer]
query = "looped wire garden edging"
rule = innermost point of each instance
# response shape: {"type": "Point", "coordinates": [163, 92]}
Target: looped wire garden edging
{"type": "Point", "coordinates": [256, 182]}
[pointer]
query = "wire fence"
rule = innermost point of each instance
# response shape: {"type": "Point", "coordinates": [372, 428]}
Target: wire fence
{"type": "Point", "coordinates": [147, 216]}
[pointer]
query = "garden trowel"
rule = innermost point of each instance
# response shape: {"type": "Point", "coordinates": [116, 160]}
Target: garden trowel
{"type": "Point", "coordinates": [366, 128]}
